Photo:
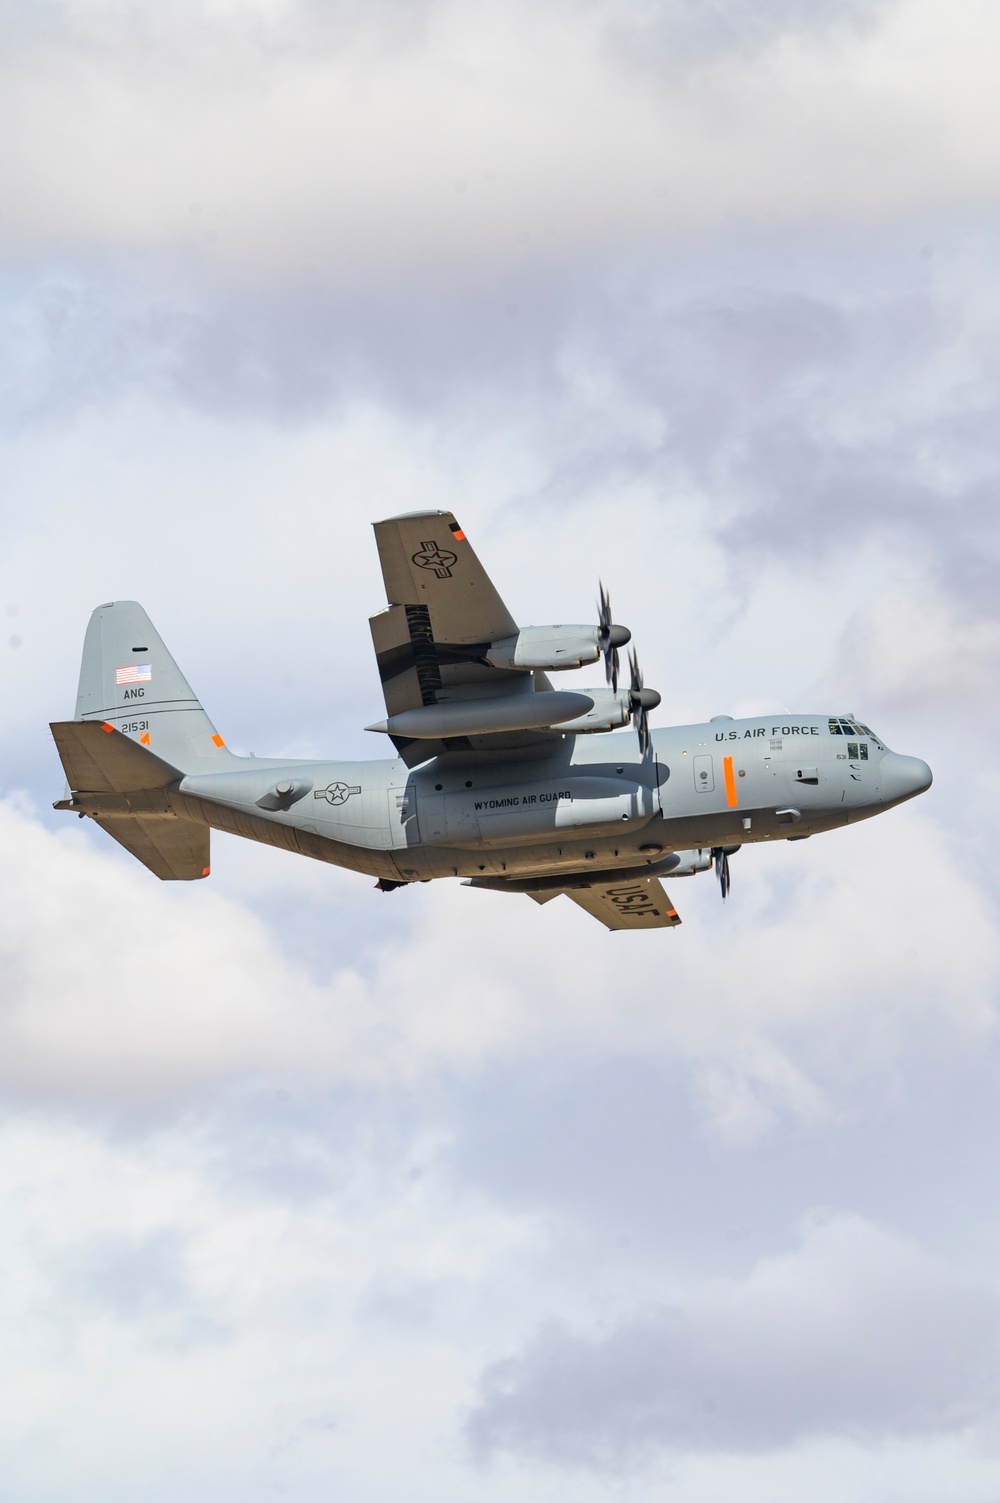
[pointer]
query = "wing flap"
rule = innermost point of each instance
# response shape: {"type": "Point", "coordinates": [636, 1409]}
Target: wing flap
{"type": "Point", "coordinates": [640, 903]}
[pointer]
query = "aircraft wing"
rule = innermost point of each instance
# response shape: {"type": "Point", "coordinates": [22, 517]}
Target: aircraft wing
{"type": "Point", "coordinates": [428, 562]}
{"type": "Point", "coordinates": [431, 641]}
{"type": "Point", "coordinates": [637, 904]}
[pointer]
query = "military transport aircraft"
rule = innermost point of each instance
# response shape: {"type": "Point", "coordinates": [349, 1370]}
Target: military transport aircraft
{"type": "Point", "coordinates": [498, 777]}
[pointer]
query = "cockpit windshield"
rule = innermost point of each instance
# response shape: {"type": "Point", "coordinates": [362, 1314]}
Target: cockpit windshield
{"type": "Point", "coordinates": [841, 726]}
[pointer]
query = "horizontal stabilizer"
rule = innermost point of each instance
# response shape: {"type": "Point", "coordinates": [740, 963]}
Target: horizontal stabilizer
{"type": "Point", "coordinates": [99, 759]}
{"type": "Point", "coordinates": [101, 765]}
{"type": "Point", "coordinates": [175, 850]}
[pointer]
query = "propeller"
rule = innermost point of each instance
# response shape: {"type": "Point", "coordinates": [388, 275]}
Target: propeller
{"type": "Point", "coordinates": [720, 857]}
{"type": "Point", "coordinates": [610, 638]}
{"type": "Point", "coordinates": [641, 701]}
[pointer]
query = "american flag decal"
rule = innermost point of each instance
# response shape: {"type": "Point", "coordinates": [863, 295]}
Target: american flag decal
{"type": "Point", "coordinates": [134, 673]}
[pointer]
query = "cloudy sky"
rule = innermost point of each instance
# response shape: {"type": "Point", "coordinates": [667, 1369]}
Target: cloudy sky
{"type": "Point", "coordinates": [310, 1191]}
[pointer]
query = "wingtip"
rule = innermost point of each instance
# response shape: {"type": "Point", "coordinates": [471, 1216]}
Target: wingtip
{"type": "Point", "coordinates": [411, 516]}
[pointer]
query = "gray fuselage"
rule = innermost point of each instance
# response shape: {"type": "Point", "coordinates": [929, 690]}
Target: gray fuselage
{"type": "Point", "coordinates": [594, 803]}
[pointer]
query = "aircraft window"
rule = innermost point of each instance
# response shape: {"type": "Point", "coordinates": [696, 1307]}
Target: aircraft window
{"type": "Point", "coordinates": [841, 727]}
{"type": "Point", "coordinates": [852, 750]}
{"type": "Point", "coordinates": [863, 748]}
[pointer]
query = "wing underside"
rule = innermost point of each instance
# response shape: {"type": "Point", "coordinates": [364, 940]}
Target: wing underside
{"type": "Point", "coordinates": [427, 560]}
{"type": "Point", "coordinates": [640, 903]}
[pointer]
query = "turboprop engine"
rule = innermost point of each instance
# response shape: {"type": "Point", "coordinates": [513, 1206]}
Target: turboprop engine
{"type": "Point", "coordinates": [685, 863]}
{"type": "Point", "coordinates": [523, 705]}
{"type": "Point", "coordinates": [551, 648]}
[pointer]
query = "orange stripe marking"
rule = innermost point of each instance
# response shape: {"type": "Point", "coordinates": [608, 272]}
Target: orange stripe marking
{"type": "Point", "coordinates": [218, 741]}
{"type": "Point", "coordinates": [459, 534]}
{"type": "Point", "coordinates": [144, 738]}
{"type": "Point", "coordinates": [205, 871]}
{"type": "Point", "coordinates": [107, 727]}
{"type": "Point", "coordinates": [727, 772]}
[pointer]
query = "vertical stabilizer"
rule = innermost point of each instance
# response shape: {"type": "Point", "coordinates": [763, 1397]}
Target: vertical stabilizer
{"type": "Point", "coordinates": [129, 680]}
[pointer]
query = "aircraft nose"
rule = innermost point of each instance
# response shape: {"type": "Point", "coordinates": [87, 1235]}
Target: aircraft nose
{"type": "Point", "coordinates": [902, 777]}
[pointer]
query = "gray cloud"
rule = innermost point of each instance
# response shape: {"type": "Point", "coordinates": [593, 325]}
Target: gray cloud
{"type": "Point", "coordinates": [805, 422]}
{"type": "Point", "coordinates": [663, 35]}
{"type": "Point", "coordinates": [855, 1334]}
{"type": "Point", "coordinates": [379, 139]}
{"type": "Point", "coordinates": [138, 1280]}
{"type": "Point", "coordinates": [618, 1147]}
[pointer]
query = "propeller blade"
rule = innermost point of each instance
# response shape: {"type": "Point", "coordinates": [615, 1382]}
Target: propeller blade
{"type": "Point", "coordinates": [641, 701]}
{"type": "Point", "coordinates": [610, 638]}
{"type": "Point", "coordinates": [642, 726]}
{"type": "Point", "coordinates": [720, 858]}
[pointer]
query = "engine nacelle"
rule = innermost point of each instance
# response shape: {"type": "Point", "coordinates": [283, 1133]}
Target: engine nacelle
{"type": "Point", "coordinates": [553, 647]}
{"type": "Point", "coordinates": [611, 710]}
{"type": "Point", "coordinates": [685, 863]}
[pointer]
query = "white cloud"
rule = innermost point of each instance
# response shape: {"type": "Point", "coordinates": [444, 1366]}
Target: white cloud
{"type": "Point", "coordinates": [319, 264]}
{"type": "Point", "coordinates": [922, 648]}
{"type": "Point", "coordinates": [170, 1327]}
{"type": "Point", "coordinates": [456, 141]}
{"type": "Point", "coordinates": [122, 989]}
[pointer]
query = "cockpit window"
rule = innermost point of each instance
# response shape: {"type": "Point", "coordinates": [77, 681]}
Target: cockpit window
{"type": "Point", "coordinates": [841, 726]}
{"type": "Point", "coordinates": [866, 732]}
